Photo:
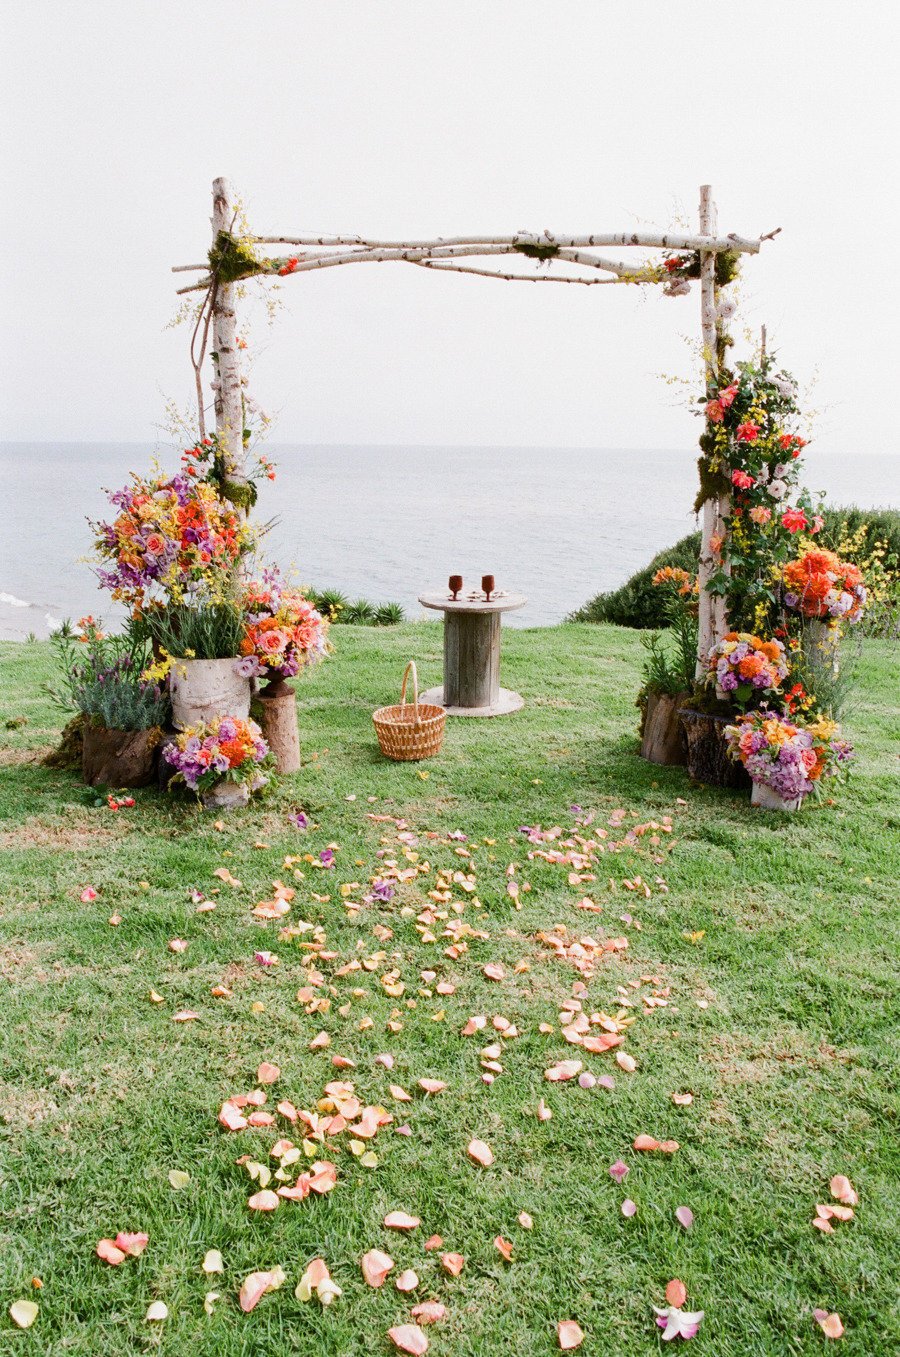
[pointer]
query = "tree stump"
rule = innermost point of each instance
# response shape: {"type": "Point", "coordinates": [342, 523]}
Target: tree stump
{"type": "Point", "coordinates": [663, 740]}
{"type": "Point", "coordinates": [279, 724]}
{"type": "Point", "coordinates": [119, 758]}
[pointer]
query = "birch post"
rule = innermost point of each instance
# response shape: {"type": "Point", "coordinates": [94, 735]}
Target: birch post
{"type": "Point", "coordinates": [227, 384]}
{"type": "Point", "coordinates": [712, 607]}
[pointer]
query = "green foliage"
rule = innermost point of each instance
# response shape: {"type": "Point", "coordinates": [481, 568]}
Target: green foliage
{"type": "Point", "coordinates": [100, 677]}
{"type": "Point", "coordinates": [540, 252]}
{"type": "Point", "coordinates": [638, 602]}
{"type": "Point", "coordinates": [232, 258]}
{"type": "Point", "coordinates": [360, 613]}
{"type": "Point", "coordinates": [331, 603]}
{"type": "Point", "coordinates": [388, 615]}
{"type": "Point", "coordinates": [211, 631]}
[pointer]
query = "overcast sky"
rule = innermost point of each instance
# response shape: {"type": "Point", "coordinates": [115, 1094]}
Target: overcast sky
{"type": "Point", "coordinates": [409, 118]}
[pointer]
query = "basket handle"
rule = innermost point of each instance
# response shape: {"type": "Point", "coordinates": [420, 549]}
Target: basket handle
{"type": "Point", "coordinates": [415, 679]}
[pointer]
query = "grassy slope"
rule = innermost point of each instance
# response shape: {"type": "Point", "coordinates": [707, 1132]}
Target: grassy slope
{"type": "Point", "coordinates": [793, 1063]}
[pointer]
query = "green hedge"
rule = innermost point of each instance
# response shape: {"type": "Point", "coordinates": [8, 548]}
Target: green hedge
{"type": "Point", "coordinates": [636, 603]}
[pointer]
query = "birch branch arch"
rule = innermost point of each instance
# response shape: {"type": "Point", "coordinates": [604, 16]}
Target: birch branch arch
{"type": "Point", "coordinates": [232, 260]}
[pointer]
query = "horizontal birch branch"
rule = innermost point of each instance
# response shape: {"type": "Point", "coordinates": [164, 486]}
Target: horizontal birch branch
{"type": "Point", "coordinates": [450, 267]}
{"type": "Point", "coordinates": [643, 239]}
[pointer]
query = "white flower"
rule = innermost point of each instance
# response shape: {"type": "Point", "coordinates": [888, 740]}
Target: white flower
{"type": "Point", "coordinates": [726, 308]}
{"type": "Point", "coordinates": [678, 287]}
{"type": "Point", "coordinates": [784, 387]}
{"type": "Point", "coordinates": [777, 489]}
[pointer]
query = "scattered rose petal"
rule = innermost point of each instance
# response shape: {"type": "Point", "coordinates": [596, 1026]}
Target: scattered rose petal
{"type": "Point", "coordinates": [432, 1085]}
{"type": "Point", "coordinates": [481, 1153]}
{"type": "Point", "coordinates": [23, 1313]}
{"type": "Point", "coordinates": [213, 1261]}
{"type": "Point", "coordinates": [525, 1220]}
{"type": "Point", "coordinates": [586, 1080]}
{"type": "Point", "coordinates": [401, 1220]}
{"type": "Point", "coordinates": [626, 1062]}
{"type": "Point", "coordinates": [407, 1281]}
{"type": "Point", "coordinates": [88, 895]}
{"type": "Point", "coordinates": [676, 1292]}
{"type": "Point", "coordinates": [569, 1335]}
{"type": "Point", "coordinates": [433, 1242]}
{"type": "Point", "coordinates": [494, 971]}
{"type": "Point", "coordinates": [543, 1111]}
{"type": "Point", "coordinates": [685, 1216]}
{"type": "Point", "coordinates": [264, 1201]}
{"type": "Point", "coordinates": [255, 1286]}
{"type": "Point", "coordinates": [408, 1338]}
{"type": "Point", "coordinates": [209, 1301]}
{"type": "Point", "coordinates": [676, 1323]}
{"type": "Point", "coordinates": [179, 1179]}
{"type": "Point", "coordinates": [375, 1267]}
{"type": "Point", "coordinates": [628, 1207]}
{"type": "Point", "coordinates": [842, 1190]}
{"type": "Point", "coordinates": [619, 1171]}
{"type": "Point", "coordinates": [452, 1263]}
{"type": "Point", "coordinates": [267, 1074]}
{"type": "Point", "coordinates": [177, 945]}
{"type": "Point", "coordinates": [830, 1324]}
{"type": "Point", "coordinates": [185, 1015]}
{"type": "Point", "coordinates": [156, 1312]}
{"type": "Point", "coordinates": [107, 1250]}
{"type": "Point", "coordinates": [132, 1244]}
{"type": "Point", "coordinates": [504, 1247]}
{"type": "Point", "coordinates": [682, 1099]}
{"type": "Point", "coordinates": [429, 1312]}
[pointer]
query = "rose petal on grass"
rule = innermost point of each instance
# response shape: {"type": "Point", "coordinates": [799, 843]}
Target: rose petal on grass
{"type": "Point", "coordinates": [432, 1085]}
{"type": "Point", "coordinates": [823, 1224]}
{"type": "Point", "coordinates": [401, 1220]}
{"type": "Point", "coordinates": [408, 1338]}
{"type": "Point", "coordinates": [23, 1313]}
{"type": "Point", "coordinates": [429, 1312]}
{"type": "Point", "coordinates": [481, 1153]}
{"type": "Point", "coordinates": [682, 1099]}
{"type": "Point", "coordinates": [264, 1201]}
{"type": "Point", "coordinates": [628, 1207]}
{"type": "Point", "coordinates": [525, 1220]}
{"type": "Point", "coordinates": [619, 1171]}
{"type": "Point", "coordinates": [110, 1253]}
{"type": "Point", "coordinates": [231, 1117]}
{"type": "Point", "coordinates": [185, 1015]}
{"type": "Point", "coordinates": [494, 971]}
{"type": "Point", "coordinates": [569, 1335]}
{"type": "Point", "coordinates": [407, 1281]}
{"type": "Point", "coordinates": [452, 1263]}
{"type": "Point", "coordinates": [88, 895]}
{"type": "Point", "coordinates": [213, 1261]}
{"type": "Point", "coordinates": [157, 1311]}
{"type": "Point", "coordinates": [543, 1111]}
{"type": "Point", "coordinates": [504, 1247]}
{"type": "Point", "coordinates": [676, 1293]}
{"type": "Point", "coordinates": [375, 1267]}
{"type": "Point", "coordinates": [177, 945]}
{"type": "Point", "coordinates": [209, 1301]}
{"type": "Point", "coordinates": [830, 1324]}
{"type": "Point", "coordinates": [685, 1216]}
{"type": "Point", "coordinates": [562, 1071]}
{"type": "Point", "coordinates": [626, 1062]}
{"type": "Point", "coordinates": [842, 1190]}
{"type": "Point", "coordinates": [179, 1179]}
{"type": "Point", "coordinates": [649, 1144]}
{"type": "Point", "coordinates": [255, 1286]}
{"type": "Point", "coordinates": [267, 1074]}
{"type": "Point", "coordinates": [433, 1242]}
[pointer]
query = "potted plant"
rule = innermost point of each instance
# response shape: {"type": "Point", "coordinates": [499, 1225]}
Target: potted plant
{"type": "Point", "coordinates": [785, 758]}
{"type": "Point", "coordinates": [123, 712]}
{"type": "Point", "coordinates": [283, 633]}
{"type": "Point", "coordinates": [173, 553]}
{"type": "Point", "coordinates": [825, 592]}
{"type": "Point", "coordinates": [222, 760]}
{"type": "Point", "coordinates": [669, 670]}
{"type": "Point", "coordinates": [743, 671]}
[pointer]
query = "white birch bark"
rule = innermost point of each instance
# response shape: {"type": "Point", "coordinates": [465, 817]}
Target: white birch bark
{"type": "Point", "coordinates": [227, 386]}
{"type": "Point", "coordinates": [712, 619]}
{"type": "Point", "coordinates": [650, 240]}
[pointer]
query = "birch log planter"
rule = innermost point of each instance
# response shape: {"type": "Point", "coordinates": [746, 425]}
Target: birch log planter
{"type": "Point", "coordinates": [663, 739]}
{"type": "Point", "coordinates": [203, 690]}
{"type": "Point", "coordinates": [767, 799]}
{"type": "Point", "coordinates": [278, 720]}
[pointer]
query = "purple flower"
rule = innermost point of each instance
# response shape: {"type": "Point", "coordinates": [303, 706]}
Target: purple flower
{"type": "Point", "coordinates": [382, 890]}
{"type": "Point", "coordinates": [248, 667]}
{"type": "Point", "coordinates": [677, 1323]}
{"type": "Point", "coordinates": [299, 820]}
{"type": "Point", "coordinates": [326, 857]}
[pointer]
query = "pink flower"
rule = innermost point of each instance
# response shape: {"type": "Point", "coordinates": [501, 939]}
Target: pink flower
{"type": "Point", "coordinates": [794, 520]}
{"type": "Point", "coordinates": [727, 396]}
{"type": "Point", "coordinates": [677, 1323]}
{"type": "Point", "coordinates": [742, 480]}
{"type": "Point", "coordinates": [715, 411]}
{"type": "Point", "coordinates": [619, 1171]}
{"type": "Point", "coordinates": [747, 432]}
{"type": "Point", "coordinates": [88, 895]}
{"type": "Point", "coordinates": [818, 524]}
{"type": "Point", "coordinates": [760, 514]}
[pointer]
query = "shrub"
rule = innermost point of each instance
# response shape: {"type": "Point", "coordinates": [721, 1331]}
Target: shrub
{"type": "Point", "coordinates": [868, 538]}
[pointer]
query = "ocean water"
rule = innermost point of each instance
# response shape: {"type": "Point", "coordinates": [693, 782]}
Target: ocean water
{"type": "Point", "coordinates": [389, 523]}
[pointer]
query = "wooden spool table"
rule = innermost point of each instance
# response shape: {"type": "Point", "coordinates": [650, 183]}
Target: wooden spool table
{"type": "Point", "coordinates": [472, 655]}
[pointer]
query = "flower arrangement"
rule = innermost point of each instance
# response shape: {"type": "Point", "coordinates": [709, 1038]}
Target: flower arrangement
{"type": "Point", "coordinates": [744, 666]}
{"type": "Point", "coordinates": [103, 678]}
{"type": "Point", "coordinates": [283, 631]}
{"type": "Point", "coordinates": [172, 539]}
{"type": "Point", "coordinates": [225, 750]}
{"type": "Point", "coordinates": [785, 756]}
{"type": "Point", "coordinates": [818, 584]}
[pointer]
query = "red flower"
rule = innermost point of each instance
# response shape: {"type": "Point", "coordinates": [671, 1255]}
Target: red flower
{"type": "Point", "coordinates": [747, 432]}
{"type": "Point", "coordinates": [727, 396]}
{"type": "Point", "coordinates": [742, 480]}
{"type": "Point", "coordinates": [794, 520]}
{"type": "Point", "coordinates": [671, 265]}
{"type": "Point", "coordinates": [715, 411]}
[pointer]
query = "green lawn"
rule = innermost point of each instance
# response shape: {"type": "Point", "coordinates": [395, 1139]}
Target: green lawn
{"type": "Point", "coordinates": [781, 1020]}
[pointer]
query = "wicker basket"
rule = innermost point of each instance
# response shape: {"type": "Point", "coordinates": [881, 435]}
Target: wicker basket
{"type": "Point", "coordinates": [410, 732]}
